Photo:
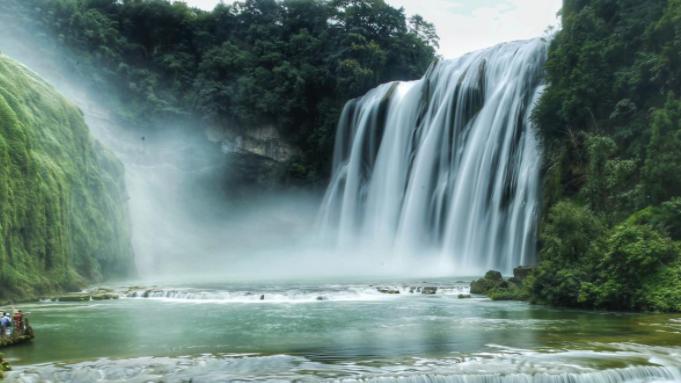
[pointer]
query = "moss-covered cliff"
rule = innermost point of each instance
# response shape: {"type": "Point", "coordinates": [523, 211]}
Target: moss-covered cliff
{"type": "Point", "coordinates": [63, 215]}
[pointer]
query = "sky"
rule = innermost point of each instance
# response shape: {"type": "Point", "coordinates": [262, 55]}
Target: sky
{"type": "Point", "coordinates": [468, 25]}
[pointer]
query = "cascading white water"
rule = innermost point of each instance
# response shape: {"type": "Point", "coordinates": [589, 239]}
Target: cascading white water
{"type": "Point", "coordinates": [446, 166]}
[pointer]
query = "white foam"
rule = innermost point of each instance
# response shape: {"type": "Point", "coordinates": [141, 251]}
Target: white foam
{"type": "Point", "coordinates": [499, 366]}
{"type": "Point", "coordinates": [335, 293]}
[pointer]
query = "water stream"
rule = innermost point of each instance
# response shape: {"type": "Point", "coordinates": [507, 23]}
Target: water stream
{"type": "Point", "coordinates": [446, 167]}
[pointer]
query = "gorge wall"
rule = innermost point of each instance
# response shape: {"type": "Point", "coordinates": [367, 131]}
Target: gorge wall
{"type": "Point", "coordinates": [63, 209]}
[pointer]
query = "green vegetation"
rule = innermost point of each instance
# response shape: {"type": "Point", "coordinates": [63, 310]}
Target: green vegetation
{"type": "Point", "coordinates": [4, 367]}
{"type": "Point", "coordinates": [63, 220]}
{"type": "Point", "coordinates": [611, 125]}
{"type": "Point", "coordinates": [610, 120]}
{"type": "Point", "coordinates": [495, 287]}
{"type": "Point", "coordinates": [291, 64]}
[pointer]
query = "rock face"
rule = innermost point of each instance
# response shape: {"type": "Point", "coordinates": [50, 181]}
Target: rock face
{"type": "Point", "coordinates": [258, 155]}
{"type": "Point", "coordinates": [63, 209]}
{"type": "Point", "coordinates": [263, 141]}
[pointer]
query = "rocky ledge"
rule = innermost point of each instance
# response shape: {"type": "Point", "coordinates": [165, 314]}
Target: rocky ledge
{"type": "Point", "coordinates": [98, 294]}
{"type": "Point", "coordinates": [425, 290]}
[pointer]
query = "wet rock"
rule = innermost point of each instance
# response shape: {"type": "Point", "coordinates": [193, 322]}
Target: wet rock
{"type": "Point", "coordinates": [320, 298]}
{"type": "Point", "coordinates": [464, 296]}
{"type": "Point", "coordinates": [104, 296]}
{"type": "Point", "coordinates": [387, 290]}
{"type": "Point", "coordinates": [429, 290]}
{"type": "Point", "coordinates": [262, 297]}
{"type": "Point", "coordinates": [96, 295]}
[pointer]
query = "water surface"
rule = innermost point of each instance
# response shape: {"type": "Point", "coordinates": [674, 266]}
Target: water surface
{"type": "Point", "coordinates": [311, 332]}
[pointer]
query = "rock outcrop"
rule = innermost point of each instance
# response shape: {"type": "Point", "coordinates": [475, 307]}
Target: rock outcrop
{"type": "Point", "coordinates": [497, 288]}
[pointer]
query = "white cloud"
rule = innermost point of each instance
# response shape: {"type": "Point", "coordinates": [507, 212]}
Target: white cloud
{"type": "Point", "coordinates": [468, 25]}
{"type": "Point", "coordinates": [204, 4]}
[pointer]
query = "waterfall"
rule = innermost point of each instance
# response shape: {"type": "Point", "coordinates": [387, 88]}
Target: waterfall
{"type": "Point", "coordinates": [445, 167]}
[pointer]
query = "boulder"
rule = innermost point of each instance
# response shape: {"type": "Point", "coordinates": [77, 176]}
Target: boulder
{"type": "Point", "coordinates": [97, 295]}
{"type": "Point", "coordinates": [464, 296]}
{"type": "Point", "coordinates": [429, 290]}
{"type": "Point", "coordinates": [104, 296]}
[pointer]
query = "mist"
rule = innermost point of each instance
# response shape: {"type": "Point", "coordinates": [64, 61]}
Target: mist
{"type": "Point", "coordinates": [183, 221]}
{"type": "Point", "coordinates": [193, 218]}
{"type": "Point", "coordinates": [187, 221]}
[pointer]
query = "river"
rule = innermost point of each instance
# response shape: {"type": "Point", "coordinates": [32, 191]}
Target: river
{"type": "Point", "coordinates": [348, 331]}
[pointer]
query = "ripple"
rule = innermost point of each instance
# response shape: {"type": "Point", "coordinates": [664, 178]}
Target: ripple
{"type": "Point", "coordinates": [634, 364]}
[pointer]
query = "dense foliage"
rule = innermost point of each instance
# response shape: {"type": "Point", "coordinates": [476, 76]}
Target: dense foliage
{"type": "Point", "coordinates": [290, 63]}
{"type": "Point", "coordinates": [63, 220]}
{"type": "Point", "coordinates": [611, 124]}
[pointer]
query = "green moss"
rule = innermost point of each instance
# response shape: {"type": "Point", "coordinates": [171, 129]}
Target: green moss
{"type": "Point", "coordinates": [63, 217]}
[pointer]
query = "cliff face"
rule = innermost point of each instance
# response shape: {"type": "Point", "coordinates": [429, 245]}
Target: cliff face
{"type": "Point", "coordinates": [63, 212]}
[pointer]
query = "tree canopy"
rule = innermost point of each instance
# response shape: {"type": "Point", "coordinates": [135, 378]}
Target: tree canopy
{"type": "Point", "coordinates": [611, 125]}
{"type": "Point", "coordinates": [288, 63]}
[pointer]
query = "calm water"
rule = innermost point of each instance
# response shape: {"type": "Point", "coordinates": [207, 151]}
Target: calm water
{"type": "Point", "coordinates": [284, 332]}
